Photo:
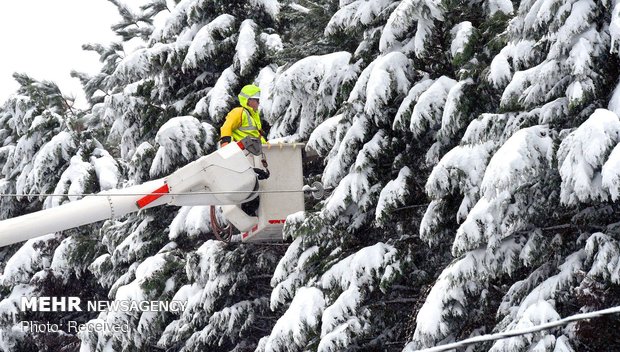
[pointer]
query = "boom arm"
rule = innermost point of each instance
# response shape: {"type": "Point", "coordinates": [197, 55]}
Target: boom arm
{"type": "Point", "coordinates": [226, 174]}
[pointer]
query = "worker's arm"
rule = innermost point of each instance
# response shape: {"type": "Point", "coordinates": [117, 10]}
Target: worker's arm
{"type": "Point", "coordinates": [233, 121]}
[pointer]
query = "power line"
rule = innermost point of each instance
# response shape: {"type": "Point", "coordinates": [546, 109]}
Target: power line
{"type": "Point", "coordinates": [146, 194]}
{"type": "Point", "coordinates": [520, 332]}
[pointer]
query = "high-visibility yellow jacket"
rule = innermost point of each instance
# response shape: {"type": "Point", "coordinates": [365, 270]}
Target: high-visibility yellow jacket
{"type": "Point", "coordinates": [243, 121]}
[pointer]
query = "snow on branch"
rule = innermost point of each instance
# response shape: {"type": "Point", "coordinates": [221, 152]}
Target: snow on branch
{"type": "Point", "coordinates": [30, 258]}
{"type": "Point", "coordinates": [246, 48]}
{"type": "Point", "coordinates": [323, 138]}
{"type": "Point", "coordinates": [51, 157]}
{"type": "Point", "coordinates": [538, 305]}
{"type": "Point", "coordinates": [582, 154]}
{"type": "Point", "coordinates": [356, 187]}
{"type": "Point", "coordinates": [450, 298]}
{"type": "Point", "coordinates": [422, 12]}
{"type": "Point", "coordinates": [271, 7]}
{"type": "Point", "coordinates": [393, 194]}
{"type": "Point", "coordinates": [308, 92]}
{"type": "Point", "coordinates": [302, 315]}
{"type": "Point", "coordinates": [355, 14]}
{"type": "Point", "coordinates": [354, 275]}
{"type": "Point", "coordinates": [204, 45]}
{"type": "Point", "coordinates": [72, 181]}
{"type": "Point", "coordinates": [428, 111]}
{"type": "Point", "coordinates": [218, 100]}
{"type": "Point", "coordinates": [402, 120]}
{"type": "Point", "coordinates": [521, 161]}
{"type": "Point", "coordinates": [181, 140]}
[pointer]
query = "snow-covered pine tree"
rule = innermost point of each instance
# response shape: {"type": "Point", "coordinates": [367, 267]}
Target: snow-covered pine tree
{"type": "Point", "coordinates": [551, 73]}
{"type": "Point", "coordinates": [491, 111]}
{"type": "Point", "coordinates": [45, 152]}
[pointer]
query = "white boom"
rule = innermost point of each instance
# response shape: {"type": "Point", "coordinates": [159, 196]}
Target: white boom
{"type": "Point", "coordinates": [224, 177]}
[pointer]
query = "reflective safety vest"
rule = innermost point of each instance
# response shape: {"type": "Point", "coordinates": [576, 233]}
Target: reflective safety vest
{"type": "Point", "coordinates": [250, 125]}
{"type": "Point", "coordinates": [240, 123]}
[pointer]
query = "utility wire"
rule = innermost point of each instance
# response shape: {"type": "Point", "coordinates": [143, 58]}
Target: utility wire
{"type": "Point", "coordinates": [520, 332]}
{"type": "Point", "coordinates": [150, 193]}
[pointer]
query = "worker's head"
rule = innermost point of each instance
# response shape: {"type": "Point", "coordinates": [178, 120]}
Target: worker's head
{"type": "Point", "coordinates": [250, 96]}
{"type": "Point", "coordinates": [253, 103]}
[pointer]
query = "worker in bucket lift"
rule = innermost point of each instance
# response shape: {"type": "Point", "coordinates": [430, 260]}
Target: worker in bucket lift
{"type": "Point", "coordinates": [241, 122]}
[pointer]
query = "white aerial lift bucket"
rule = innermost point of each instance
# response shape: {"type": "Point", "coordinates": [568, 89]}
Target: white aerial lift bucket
{"type": "Point", "coordinates": [280, 195]}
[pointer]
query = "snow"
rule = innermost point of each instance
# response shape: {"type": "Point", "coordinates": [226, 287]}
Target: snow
{"type": "Point", "coordinates": [106, 169]}
{"type": "Point", "coordinates": [538, 306]}
{"type": "Point", "coordinates": [577, 21]}
{"type": "Point", "coordinates": [359, 268]}
{"type": "Point", "coordinates": [429, 321]}
{"type": "Point", "coordinates": [460, 170]}
{"type": "Point", "coordinates": [354, 14]}
{"type": "Point", "coordinates": [191, 220]}
{"type": "Point", "coordinates": [266, 81]}
{"type": "Point", "coordinates": [134, 66]}
{"type": "Point", "coordinates": [428, 111]}
{"type": "Point", "coordinates": [337, 164]}
{"type": "Point", "coordinates": [133, 291]}
{"type": "Point", "coordinates": [323, 137]}
{"type": "Point", "coordinates": [217, 101]}
{"type": "Point", "coordinates": [518, 161]}
{"type": "Point", "coordinates": [394, 193]}
{"type": "Point", "coordinates": [204, 45]}
{"type": "Point", "coordinates": [461, 34]}
{"type": "Point", "coordinates": [29, 259]}
{"type": "Point", "coordinates": [72, 181]}
{"type": "Point", "coordinates": [388, 77]}
{"type": "Point", "coordinates": [452, 120]}
{"type": "Point", "coordinates": [568, 271]}
{"type": "Point", "coordinates": [610, 174]}
{"type": "Point", "coordinates": [582, 154]}
{"type": "Point", "coordinates": [271, 7]}
{"type": "Point", "coordinates": [504, 6]}
{"type": "Point", "coordinates": [407, 12]}
{"type": "Point", "coordinates": [174, 22]}
{"type": "Point", "coordinates": [614, 101]}
{"type": "Point", "coordinates": [48, 159]}
{"type": "Point", "coordinates": [273, 42]}
{"type": "Point", "coordinates": [180, 139]}
{"type": "Point", "coordinates": [342, 336]}
{"type": "Point", "coordinates": [246, 49]}
{"type": "Point", "coordinates": [500, 72]}
{"type": "Point", "coordinates": [614, 27]}
{"type": "Point", "coordinates": [132, 245]}
{"type": "Point", "coordinates": [285, 279]}
{"type": "Point", "coordinates": [295, 6]}
{"type": "Point", "coordinates": [402, 119]}
{"type": "Point", "coordinates": [356, 186]}
{"type": "Point", "coordinates": [522, 159]}
{"type": "Point", "coordinates": [521, 89]}
{"type": "Point", "coordinates": [60, 261]}
{"type": "Point", "coordinates": [450, 295]}
{"type": "Point", "coordinates": [305, 91]}
{"type": "Point", "coordinates": [302, 314]}
{"type": "Point", "coordinates": [580, 56]}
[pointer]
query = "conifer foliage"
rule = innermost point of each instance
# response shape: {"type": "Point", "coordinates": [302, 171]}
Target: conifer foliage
{"type": "Point", "coordinates": [470, 148]}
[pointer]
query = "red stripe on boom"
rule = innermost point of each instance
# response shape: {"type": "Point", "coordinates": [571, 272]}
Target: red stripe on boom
{"type": "Point", "coordinates": [277, 221]}
{"type": "Point", "coordinates": [146, 200]}
{"type": "Point", "coordinates": [241, 145]}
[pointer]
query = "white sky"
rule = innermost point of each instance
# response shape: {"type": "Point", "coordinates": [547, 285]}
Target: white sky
{"type": "Point", "coordinates": [43, 38]}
